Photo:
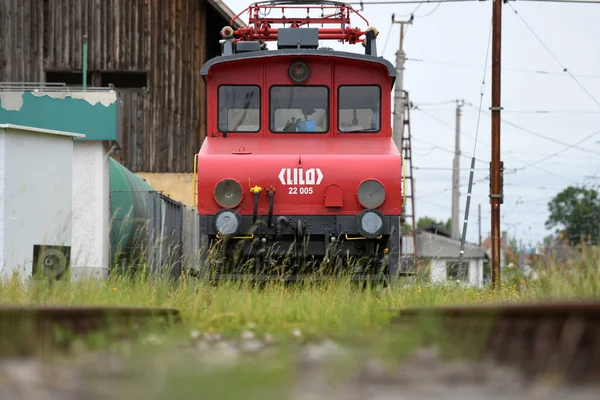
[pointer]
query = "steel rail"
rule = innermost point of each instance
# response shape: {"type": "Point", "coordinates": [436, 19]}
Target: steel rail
{"type": "Point", "coordinates": [557, 339]}
{"type": "Point", "coordinates": [25, 329]}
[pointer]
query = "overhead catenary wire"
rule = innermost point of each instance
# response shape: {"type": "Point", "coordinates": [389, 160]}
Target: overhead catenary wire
{"type": "Point", "coordinates": [534, 165]}
{"type": "Point", "coordinates": [565, 69]}
{"type": "Point", "coordinates": [546, 157]}
{"type": "Point", "coordinates": [539, 112]}
{"type": "Point", "coordinates": [558, 152]}
{"type": "Point", "coordinates": [447, 125]}
{"type": "Point", "coordinates": [472, 171]}
{"type": "Point", "coordinates": [504, 69]}
{"type": "Point", "coordinates": [540, 135]}
{"type": "Point", "coordinates": [447, 150]}
{"type": "Point", "coordinates": [400, 2]}
{"type": "Point", "coordinates": [511, 111]}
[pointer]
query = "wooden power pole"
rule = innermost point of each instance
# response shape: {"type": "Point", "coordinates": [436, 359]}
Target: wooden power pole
{"type": "Point", "coordinates": [496, 196]}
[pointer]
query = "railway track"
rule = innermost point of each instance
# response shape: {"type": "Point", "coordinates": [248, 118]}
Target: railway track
{"type": "Point", "coordinates": [26, 329]}
{"type": "Point", "coordinates": [557, 341]}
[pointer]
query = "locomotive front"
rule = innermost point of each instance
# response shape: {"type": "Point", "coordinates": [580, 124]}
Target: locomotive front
{"type": "Point", "coordinates": [298, 171]}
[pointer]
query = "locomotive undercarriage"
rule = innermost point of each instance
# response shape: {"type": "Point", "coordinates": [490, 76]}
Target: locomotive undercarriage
{"type": "Point", "coordinates": [297, 247]}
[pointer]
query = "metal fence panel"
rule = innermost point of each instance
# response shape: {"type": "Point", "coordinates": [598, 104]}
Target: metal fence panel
{"type": "Point", "coordinates": [191, 238]}
{"type": "Point", "coordinates": [151, 230]}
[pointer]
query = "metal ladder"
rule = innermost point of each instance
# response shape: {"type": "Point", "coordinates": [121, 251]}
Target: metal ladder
{"type": "Point", "coordinates": [409, 188]}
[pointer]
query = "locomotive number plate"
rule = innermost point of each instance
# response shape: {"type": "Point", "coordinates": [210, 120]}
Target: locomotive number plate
{"type": "Point", "coordinates": [296, 178]}
{"type": "Point", "coordinates": [300, 190]}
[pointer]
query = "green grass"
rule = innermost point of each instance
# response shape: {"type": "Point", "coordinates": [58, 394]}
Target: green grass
{"type": "Point", "coordinates": [332, 308]}
{"type": "Point", "coordinates": [339, 310]}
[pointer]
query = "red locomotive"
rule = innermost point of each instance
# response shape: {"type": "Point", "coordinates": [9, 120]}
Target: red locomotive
{"type": "Point", "coordinates": [299, 167]}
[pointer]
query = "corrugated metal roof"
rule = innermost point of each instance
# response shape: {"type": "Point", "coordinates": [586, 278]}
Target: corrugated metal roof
{"type": "Point", "coordinates": [430, 245]}
{"type": "Point", "coordinates": [226, 12]}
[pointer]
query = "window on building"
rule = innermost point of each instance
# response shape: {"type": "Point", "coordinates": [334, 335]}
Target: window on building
{"type": "Point", "coordinates": [359, 108]}
{"type": "Point", "coordinates": [124, 80]}
{"type": "Point", "coordinates": [119, 80]}
{"type": "Point", "coordinates": [299, 109]}
{"type": "Point", "coordinates": [71, 79]}
{"type": "Point", "coordinates": [456, 271]}
{"type": "Point", "coordinates": [239, 109]}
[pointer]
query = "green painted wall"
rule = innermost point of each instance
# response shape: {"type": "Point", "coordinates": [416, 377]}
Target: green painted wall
{"type": "Point", "coordinates": [97, 114]}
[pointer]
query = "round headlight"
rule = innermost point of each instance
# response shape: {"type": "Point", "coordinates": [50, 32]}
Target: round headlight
{"type": "Point", "coordinates": [228, 193]}
{"type": "Point", "coordinates": [370, 223]}
{"type": "Point", "coordinates": [371, 193]}
{"type": "Point", "coordinates": [227, 222]}
{"type": "Point", "coordinates": [299, 72]}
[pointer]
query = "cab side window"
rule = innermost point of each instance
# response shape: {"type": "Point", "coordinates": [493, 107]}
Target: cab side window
{"type": "Point", "coordinates": [359, 108]}
{"type": "Point", "coordinates": [239, 108]}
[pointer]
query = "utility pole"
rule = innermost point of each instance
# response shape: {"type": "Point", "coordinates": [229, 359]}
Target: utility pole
{"type": "Point", "coordinates": [456, 176]}
{"type": "Point", "coordinates": [399, 89]}
{"type": "Point", "coordinates": [479, 222]}
{"type": "Point", "coordinates": [496, 197]}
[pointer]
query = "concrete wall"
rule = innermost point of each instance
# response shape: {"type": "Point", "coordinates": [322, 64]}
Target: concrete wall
{"type": "Point", "coordinates": [476, 273]}
{"type": "Point", "coordinates": [2, 173]}
{"type": "Point", "coordinates": [91, 210]}
{"type": "Point", "coordinates": [37, 194]}
{"type": "Point", "coordinates": [438, 270]}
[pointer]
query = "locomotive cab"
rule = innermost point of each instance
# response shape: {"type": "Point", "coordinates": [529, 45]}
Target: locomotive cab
{"type": "Point", "coordinates": [298, 170]}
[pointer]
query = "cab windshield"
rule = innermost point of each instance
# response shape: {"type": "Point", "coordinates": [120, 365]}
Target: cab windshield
{"type": "Point", "coordinates": [299, 109]}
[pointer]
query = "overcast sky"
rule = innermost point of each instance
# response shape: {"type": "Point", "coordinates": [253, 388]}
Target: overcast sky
{"type": "Point", "coordinates": [446, 50]}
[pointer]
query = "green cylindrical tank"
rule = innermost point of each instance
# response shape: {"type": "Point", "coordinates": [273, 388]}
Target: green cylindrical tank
{"type": "Point", "coordinates": [128, 205]}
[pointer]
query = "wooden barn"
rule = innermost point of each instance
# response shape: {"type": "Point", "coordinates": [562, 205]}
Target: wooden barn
{"type": "Point", "coordinates": [150, 50]}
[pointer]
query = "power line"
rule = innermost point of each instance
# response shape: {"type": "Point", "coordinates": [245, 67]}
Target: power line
{"type": "Point", "coordinates": [529, 153]}
{"type": "Point", "coordinates": [487, 178]}
{"type": "Point", "coordinates": [564, 1]}
{"type": "Point", "coordinates": [554, 55]}
{"type": "Point", "coordinates": [399, 2]}
{"type": "Point", "coordinates": [534, 164]}
{"type": "Point", "coordinates": [548, 138]}
{"type": "Point", "coordinates": [557, 153]}
{"type": "Point", "coordinates": [447, 125]}
{"type": "Point", "coordinates": [513, 157]}
{"type": "Point", "coordinates": [545, 112]}
{"type": "Point", "coordinates": [549, 112]}
{"type": "Point", "coordinates": [472, 171]}
{"type": "Point", "coordinates": [569, 145]}
{"type": "Point", "coordinates": [430, 12]}
{"type": "Point", "coordinates": [411, 14]}
{"type": "Point", "coordinates": [513, 69]}
{"type": "Point", "coordinates": [448, 169]}
{"type": "Point", "coordinates": [448, 151]}
{"type": "Point", "coordinates": [388, 36]}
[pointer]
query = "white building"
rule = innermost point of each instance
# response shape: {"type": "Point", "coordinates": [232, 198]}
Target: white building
{"type": "Point", "coordinates": [441, 253]}
{"type": "Point", "coordinates": [36, 197]}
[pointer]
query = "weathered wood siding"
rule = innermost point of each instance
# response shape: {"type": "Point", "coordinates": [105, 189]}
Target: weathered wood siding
{"type": "Point", "coordinates": [163, 123]}
{"type": "Point", "coordinates": [21, 40]}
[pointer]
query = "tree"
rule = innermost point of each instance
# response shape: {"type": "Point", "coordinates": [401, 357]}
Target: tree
{"type": "Point", "coordinates": [575, 212]}
{"type": "Point", "coordinates": [513, 245]}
